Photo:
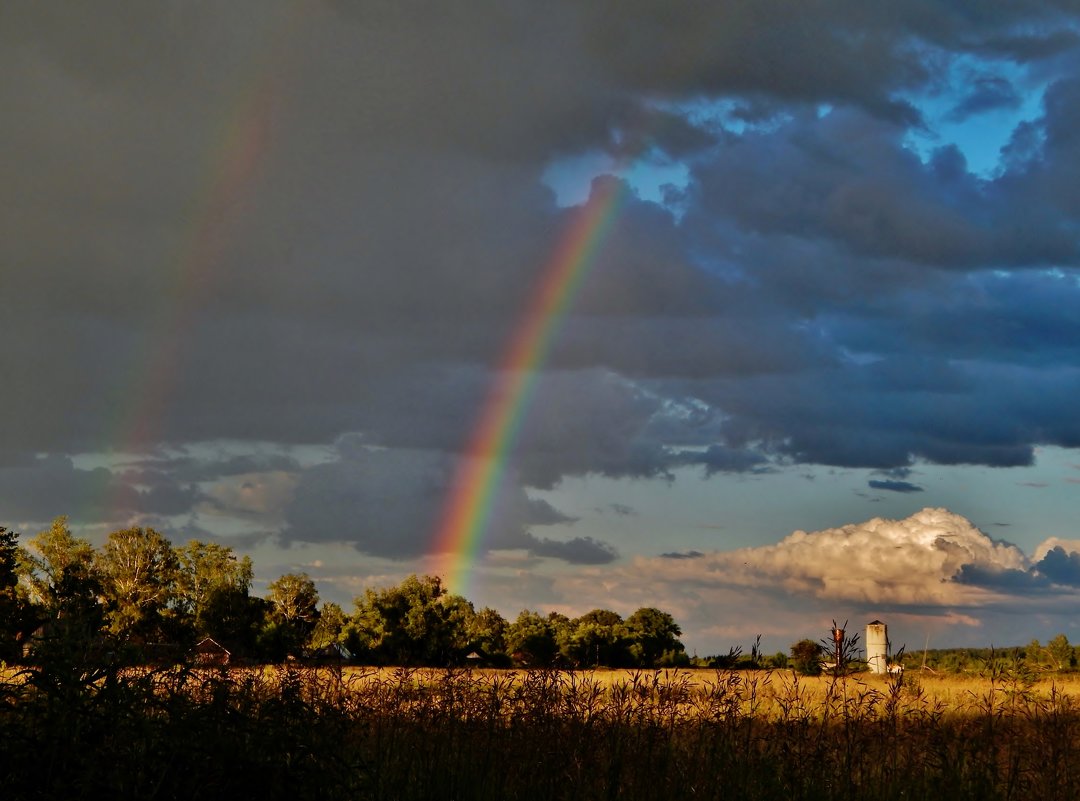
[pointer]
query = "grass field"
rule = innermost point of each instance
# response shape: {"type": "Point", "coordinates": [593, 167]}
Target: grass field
{"type": "Point", "coordinates": [296, 732]}
{"type": "Point", "coordinates": [769, 690]}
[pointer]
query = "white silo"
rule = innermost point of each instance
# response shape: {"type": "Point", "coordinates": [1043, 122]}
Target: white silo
{"type": "Point", "coordinates": [877, 647]}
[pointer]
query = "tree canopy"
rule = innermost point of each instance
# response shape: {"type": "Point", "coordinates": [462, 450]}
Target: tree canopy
{"type": "Point", "coordinates": [138, 591]}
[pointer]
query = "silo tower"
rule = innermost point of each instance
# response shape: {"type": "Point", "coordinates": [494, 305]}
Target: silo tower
{"type": "Point", "coordinates": [877, 647]}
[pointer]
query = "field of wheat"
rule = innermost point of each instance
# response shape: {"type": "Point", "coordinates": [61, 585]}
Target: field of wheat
{"type": "Point", "coordinates": [295, 732]}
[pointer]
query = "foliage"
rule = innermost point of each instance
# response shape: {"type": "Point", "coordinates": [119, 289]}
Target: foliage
{"type": "Point", "coordinates": [16, 616]}
{"type": "Point", "coordinates": [153, 601]}
{"type": "Point", "coordinates": [328, 629]}
{"type": "Point", "coordinates": [295, 600]}
{"type": "Point", "coordinates": [1061, 652]}
{"type": "Point", "coordinates": [65, 585]}
{"type": "Point", "coordinates": [654, 637]}
{"type": "Point", "coordinates": [138, 569]}
{"type": "Point", "coordinates": [486, 631]}
{"type": "Point", "coordinates": [414, 623]}
{"type": "Point", "coordinates": [60, 570]}
{"type": "Point", "coordinates": [597, 638]}
{"type": "Point", "coordinates": [806, 657]}
{"type": "Point", "coordinates": [1057, 656]}
{"type": "Point", "coordinates": [293, 615]}
{"type": "Point", "coordinates": [777, 661]}
{"type": "Point", "coordinates": [299, 733]}
{"type": "Point", "coordinates": [207, 571]}
{"type": "Point", "coordinates": [530, 640]}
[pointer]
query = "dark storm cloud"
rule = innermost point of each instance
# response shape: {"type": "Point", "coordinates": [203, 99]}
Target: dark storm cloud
{"type": "Point", "coordinates": [987, 93]}
{"type": "Point", "coordinates": [805, 52]}
{"type": "Point", "coordinates": [52, 485]}
{"type": "Point", "coordinates": [159, 470]}
{"type": "Point", "coordinates": [847, 178]}
{"type": "Point", "coordinates": [386, 502]}
{"type": "Point", "coordinates": [542, 513]}
{"type": "Point", "coordinates": [1027, 45]}
{"type": "Point", "coordinates": [280, 224]}
{"type": "Point", "coordinates": [1016, 581]}
{"type": "Point", "coordinates": [577, 551]}
{"type": "Point", "coordinates": [1061, 567]}
{"type": "Point", "coordinates": [590, 422]}
{"type": "Point", "coordinates": [894, 486]}
{"type": "Point", "coordinates": [947, 399]}
{"type": "Point", "coordinates": [1024, 318]}
{"type": "Point", "coordinates": [720, 459]}
{"type": "Point", "coordinates": [682, 555]}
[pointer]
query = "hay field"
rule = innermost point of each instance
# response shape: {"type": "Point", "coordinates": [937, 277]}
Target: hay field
{"type": "Point", "coordinates": [296, 732]}
{"type": "Point", "coordinates": [766, 688]}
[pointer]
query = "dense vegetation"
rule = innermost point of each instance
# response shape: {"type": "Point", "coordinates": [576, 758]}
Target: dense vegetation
{"type": "Point", "coordinates": [148, 601]}
{"type": "Point", "coordinates": [301, 732]}
{"type": "Point", "coordinates": [1057, 656]}
{"type": "Point", "coordinates": [94, 713]}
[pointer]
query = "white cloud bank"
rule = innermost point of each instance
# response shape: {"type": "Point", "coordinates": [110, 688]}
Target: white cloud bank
{"type": "Point", "coordinates": [917, 561]}
{"type": "Point", "coordinates": [935, 570]}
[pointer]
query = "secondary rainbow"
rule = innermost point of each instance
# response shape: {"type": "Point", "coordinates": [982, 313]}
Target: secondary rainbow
{"type": "Point", "coordinates": [236, 146]}
{"type": "Point", "coordinates": [474, 492]}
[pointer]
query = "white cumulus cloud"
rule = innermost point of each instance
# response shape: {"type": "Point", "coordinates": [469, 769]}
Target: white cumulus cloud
{"type": "Point", "coordinates": [915, 561]}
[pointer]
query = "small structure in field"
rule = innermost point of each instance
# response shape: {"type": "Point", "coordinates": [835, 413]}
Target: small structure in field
{"type": "Point", "coordinates": [208, 652]}
{"type": "Point", "coordinates": [475, 659]}
{"type": "Point", "coordinates": [877, 647]}
{"type": "Point", "coordinates": [332, 653]}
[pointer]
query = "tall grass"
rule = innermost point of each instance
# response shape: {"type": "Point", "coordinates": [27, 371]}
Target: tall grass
{"type": "Point", "coordinates": [298, 732]}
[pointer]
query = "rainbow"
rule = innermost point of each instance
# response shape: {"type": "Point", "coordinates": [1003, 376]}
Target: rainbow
{"type": "Point", "coordinates": [473, 494]}
{"type": "Point", "coordinates": [237, 144]}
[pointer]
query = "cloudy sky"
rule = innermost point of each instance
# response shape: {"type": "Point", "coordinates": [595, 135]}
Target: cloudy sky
{"type": "Point", "coordinates": [260, 264]}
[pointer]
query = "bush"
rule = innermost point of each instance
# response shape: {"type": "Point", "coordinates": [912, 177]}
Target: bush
{"type": "Point", "coordinates": [806, 657]}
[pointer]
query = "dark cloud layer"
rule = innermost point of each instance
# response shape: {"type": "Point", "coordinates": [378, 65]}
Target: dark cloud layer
{"type": "Point", "coordinates": [1061, 567]}
{"type": "Point", "coordinates": [291, 222]}
{"type": "Point", "coordinates": [894, 486]}
{"type": "Point", "coordinates": [579, 550]}
{"type": "Point", "coordinates": [52, 485]}
{"type": "Point", "coordinates": [386, 502]}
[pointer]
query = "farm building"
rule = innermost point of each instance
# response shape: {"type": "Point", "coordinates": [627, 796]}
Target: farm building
{"type": "Point", "coordinates": [209, 652]}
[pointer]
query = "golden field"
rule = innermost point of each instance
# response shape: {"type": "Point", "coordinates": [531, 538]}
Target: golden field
{"type": "Point", "coordinates": [295, 731]}
{"type": "Point", "coordinates": [966, 692]}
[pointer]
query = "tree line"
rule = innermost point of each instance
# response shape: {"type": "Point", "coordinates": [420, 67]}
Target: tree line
{"type": "Point", "coordinates": [1057, 655]}
{"type": "Point", "coordinates": [139, 595]}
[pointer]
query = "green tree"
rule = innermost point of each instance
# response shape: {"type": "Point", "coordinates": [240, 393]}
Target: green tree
{"type": "Point", "coordinates": [210, 578]}
{"type": "Point", "coordinates": [530, 640]}
{"type": "Point", "coordinates": [458, 616]}
{"type": "Point", "coordinates": [295, 599]}
{"type": "Point", "coordinates": [414, 623]}
{"type": "Point", "coordinates": [138, 569]}
{"type": "Point", "coordinates": [1034, 654]}
{"type": "Point", "coordinates": [59, 566]}
{"type": "Point", "coordinates": [779, 661]}
{"type": "Point", "coordinates": [329, 628]}
{"type": "Point", "coordinates": [654, 638]}
{"type": "Point", "coordinates": [292, 615]}
{"type": "Point", "coordinates": [16, 615]}
{"type": "Point", "coordinates": [65, 585]}
{"type": "Point", "coordinates": [562, 629]}
{"type": "Point", "coordinates": [233, 618]}
{"type": "Point", "coordinates": [598, 637]}
{"type": "Point", "coordinates": [1062, 652]}
{"type": "Point", "coordinates": [487, 634]}
{"type": "Point", "coordinates": [806, 657]}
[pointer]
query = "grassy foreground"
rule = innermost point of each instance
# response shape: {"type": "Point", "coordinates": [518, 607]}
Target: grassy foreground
{"type": "Point", "coordinates": [296, 733]}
